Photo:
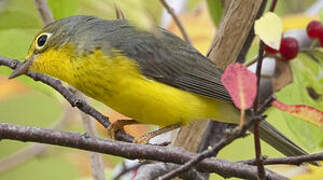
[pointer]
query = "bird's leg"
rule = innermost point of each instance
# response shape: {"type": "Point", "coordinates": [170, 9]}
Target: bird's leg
{"type": "Point", "coordinates": [145, 138]}
{"type": "Point", "coordinates": [119, 125]}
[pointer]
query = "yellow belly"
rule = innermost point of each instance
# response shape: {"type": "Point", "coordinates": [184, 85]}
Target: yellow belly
{"type": "Point", "coordinates": [117, 82]}
{"type": "Point", "coordinates": [121, 86]}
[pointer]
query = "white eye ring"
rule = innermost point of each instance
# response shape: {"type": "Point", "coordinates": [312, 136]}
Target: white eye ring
{"type": "Point", "coordinates": [42, 39]}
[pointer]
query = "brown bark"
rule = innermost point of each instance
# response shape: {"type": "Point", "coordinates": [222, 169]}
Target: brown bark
{"type": "Point", "coordinates": [230, 38]}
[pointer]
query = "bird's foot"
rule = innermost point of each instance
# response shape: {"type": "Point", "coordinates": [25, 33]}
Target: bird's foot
{"type": "Point", "coordinates": [118, 126]}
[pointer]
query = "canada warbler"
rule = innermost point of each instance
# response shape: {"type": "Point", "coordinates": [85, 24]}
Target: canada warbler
{"type": "Point", "coordinates": [154, 78]}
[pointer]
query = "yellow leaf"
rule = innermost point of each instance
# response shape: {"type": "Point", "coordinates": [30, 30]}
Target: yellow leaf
{"type": "Point", "coordinates": [269, 29]}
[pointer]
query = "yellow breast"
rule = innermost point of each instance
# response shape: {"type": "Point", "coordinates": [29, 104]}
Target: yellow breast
{"type": "Point", "coordinates": [117, 82]}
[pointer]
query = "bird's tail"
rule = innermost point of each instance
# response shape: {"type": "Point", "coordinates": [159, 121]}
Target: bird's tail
{"type": "Point", "coordinates": [280, 142]}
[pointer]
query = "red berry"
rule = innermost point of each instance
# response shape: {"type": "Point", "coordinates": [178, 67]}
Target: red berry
{"type": "Point", "coordinates": [270, 50]}
{"type": "Point", "coordinates": [288, 48]}
{"type": "Point", "coordinates": [314, 29]}
{"type": "Point", "coordinates": [321, 42]}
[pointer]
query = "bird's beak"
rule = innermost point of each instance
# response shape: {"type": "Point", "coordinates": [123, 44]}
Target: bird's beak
{"type": "Point", "coordinates": [21, 69]}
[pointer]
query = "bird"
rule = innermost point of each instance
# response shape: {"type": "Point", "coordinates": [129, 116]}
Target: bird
{"type": "Point", "coordinates": [153, 78]}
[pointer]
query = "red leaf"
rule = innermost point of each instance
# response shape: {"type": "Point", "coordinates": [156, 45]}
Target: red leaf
{"type": "Point", "coordinates": [301, 111]}
{"type": "Point", "coordinates": [241, 85]}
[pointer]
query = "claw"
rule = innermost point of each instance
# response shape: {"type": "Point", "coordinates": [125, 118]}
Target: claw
{"type": "Point", "coordinates": [118, 126]}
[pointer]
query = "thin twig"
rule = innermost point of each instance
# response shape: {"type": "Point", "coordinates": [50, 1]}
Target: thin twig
{"type": "Point", "coordinates": [96, 161]}
{"type": "Point", "coordinates": [265, 105]}
{"type": "Point", "coordinates": [259, 158]}
{"type": "Point", "coordinates": [129, 150]}
{"type": "Point", "coordinates": [236, 133]}
{"type": "Point", "coordinates": [273, 5]}
{"type": "Point", "coordinates": [44, 11]}
{"type": "Point", "coordinates": [177, 21]}
{"type": "Point", "coordinates": [292, 160]}
{"type": "Point", "coordinates": [260, 165]}
{"type": "Point", "coordinates": [70, 97]}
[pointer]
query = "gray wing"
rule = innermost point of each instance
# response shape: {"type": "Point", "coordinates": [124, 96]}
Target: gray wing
{"type": "Point", "coordinates": [162, 56]}
{"type": "Point", "coordinates": [168, 59]}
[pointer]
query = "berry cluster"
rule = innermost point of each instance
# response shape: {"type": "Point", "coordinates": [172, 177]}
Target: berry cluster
{"type": "Point", "coordinates": [289, 46]}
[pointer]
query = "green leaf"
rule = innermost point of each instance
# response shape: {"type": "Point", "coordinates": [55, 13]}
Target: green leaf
{"type": "Point", "coordinates": [63, 8]}
{"type": "Point", "coordinates": [215, 9]}
{"type": "Point", "coordinates": [305, 73]}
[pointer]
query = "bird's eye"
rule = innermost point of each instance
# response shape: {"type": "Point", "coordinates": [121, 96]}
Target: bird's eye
{"type": "Point", "coordinates": [42, 39]}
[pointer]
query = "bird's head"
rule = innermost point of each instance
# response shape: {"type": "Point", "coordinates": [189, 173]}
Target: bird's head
{"type": "Point", "coordinates": [57, 44]}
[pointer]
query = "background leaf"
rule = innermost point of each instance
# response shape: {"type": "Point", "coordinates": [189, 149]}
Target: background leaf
{"type": "Point", "coordinates": [241, 85]}
{"type": "Point", "coordinates": [304, 112]}
{"type": "Point", "coordinates": [269, 29]}
{"type": "Point", "coordinates": [305, 74]}
{"type": "Point", "coordinates": [215, 10]}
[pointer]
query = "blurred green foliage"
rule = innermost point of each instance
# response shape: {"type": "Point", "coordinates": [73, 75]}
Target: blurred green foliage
{"type": "Point", "coordinates": [215, 9]}
{"type": "Point", "coordinates": [305, 74]}
{"type": "Point", "coordinates": [20, 22]}
{"type": "Point", "coordinates": [62, 8]}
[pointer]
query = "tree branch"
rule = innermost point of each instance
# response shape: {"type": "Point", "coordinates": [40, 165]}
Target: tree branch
{"type": "Point", "coordinates": [44, 11]}
{"type": "Point", "coordinates": [97, 166]}
{"type": "Point", "coordinates": [129, 150]}
{"type": "Point", "coordinates": [233, 31]}
{"type": "Point", "coordinates": [70, 97]}
{"type": "Point", "coordinates": [236, 22]}
{"type": "Point", "coordinates": [33, 150]}
{"type": "Point", "coordinates": [224, 141]}
{"type": "Point", "coordinates": [292, 160]}
{"type": "Point", "coordinates": [157, 169]}
{"type": "Point", "coordinates": [244, 50]}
